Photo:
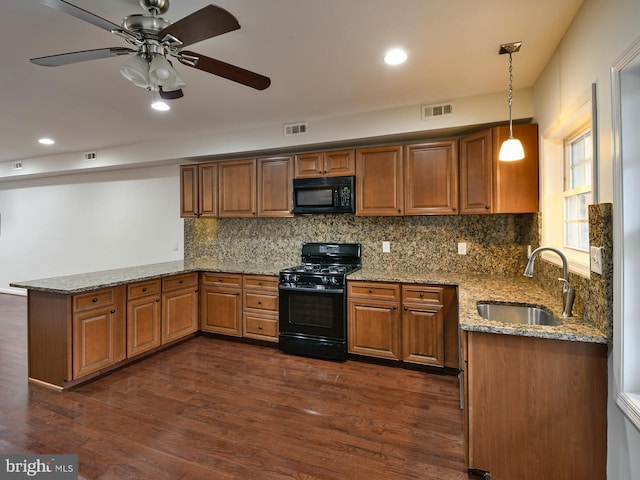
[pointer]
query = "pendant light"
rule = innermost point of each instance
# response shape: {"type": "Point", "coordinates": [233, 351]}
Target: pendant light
{"type": "Point", "coordinates": [511, 148]}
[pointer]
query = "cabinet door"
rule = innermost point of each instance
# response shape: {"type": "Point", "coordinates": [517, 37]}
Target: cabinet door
{"type": "Point", "coordinates": [208, 190]}
{"type": "Point", "coordinates": [95, 340]}
{"type": "Point", "coordinates": [516, 184]}
{"type": "Point", "coordinates": [423, 335]}
{"type": "Point", "coordinates": [476, 173]}
{"type": "Point", "coordinates": [379, 189]}
{"type": "Point", "coordinates": [431, 178]}
{"type": "Point", "coordinates": [274, 186]}
{"type": "Point", "coordinates": [221, 311]}
{"type": "Point", "coordinates": [237, 188]}
{"type": "Point", "coordinates": [143, 324]}
{"type": "Point", "coordinates": [339, 163]}
{"type": "Point", "coordinates": [179, 314]}
{"type": "Point", "coordinates": [189, 191]}
{"type": "Point", "coordinates": [308, 165]}
{"type": "Point", "coordinates": [374, 329]}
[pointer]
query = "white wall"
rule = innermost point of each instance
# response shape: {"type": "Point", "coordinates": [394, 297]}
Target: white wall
{"type": "Point", "coordinates": [601, 31]}
{"type": "Point", "coordinates": [86, 222]}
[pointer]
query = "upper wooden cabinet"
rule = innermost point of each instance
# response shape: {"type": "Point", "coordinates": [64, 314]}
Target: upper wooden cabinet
{"type": "Point", "coordinates": [199, 190]}
{"type": "Point", "coordinates": [488, 185]}
{"type": "Point", "coordinates": [336, 163]}
{"type": "Point", "coordinates": [431, 178]}
{"type": "Point", "coordinates": [379, 186]}
{"type": "Point", "coordinates": [237, 188]}
{"type": "Point", "coordinates": [274, 186]}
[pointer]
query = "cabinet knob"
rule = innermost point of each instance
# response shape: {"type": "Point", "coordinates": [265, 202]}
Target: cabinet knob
{"type": "Point", "coordinates": [319, 172]}
{"type": "Point", "coordinates": [260, 283]}
{"type": "Point", "coordinates": [94, 300]}
{"type": "Point", "coordinates": [406, 308]}
{"type": "Point", "coordinates": [370, 291]}
{"type": "Point", "coordinates": [144, 289]}
{"type": "Point", "coordinates": [260, 327]}
{"type": "Point", "coordinates": [113, 311]}
{"type": "Point", "coordinates": [395, 308]}
{"type": "Point", "coordinates": [259, 303]}
{"type": "Point", "coordinates": [157, 299]}
{"type": "Point", "coordinates": [181, 282]}
{"type": "Point", "coordinates": [421, 295]}
{"type": "Point", "coordinates": [487, 207]}
{"type": "Point", "coordinates": [454, 209]}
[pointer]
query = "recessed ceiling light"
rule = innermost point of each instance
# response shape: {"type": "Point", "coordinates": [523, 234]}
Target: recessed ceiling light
{"type": "Point", "coordinates": [395, 56]}
{"type": "Point", "coordinates": [46, 141]}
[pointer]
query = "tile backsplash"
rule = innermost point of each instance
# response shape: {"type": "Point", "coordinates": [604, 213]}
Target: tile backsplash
{"type": "Point", "coordinates": [496, 244]}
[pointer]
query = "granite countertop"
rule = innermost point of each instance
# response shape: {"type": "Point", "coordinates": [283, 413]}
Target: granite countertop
{"type": "Point", "coordinates": [474, 288]}
{"type": "Point", "coordinates": [471, 289]}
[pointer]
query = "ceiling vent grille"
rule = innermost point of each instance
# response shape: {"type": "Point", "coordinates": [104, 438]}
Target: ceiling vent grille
{"type": "Point", "coordinates": [431, 111]}
{"type": "Point", "coordinates": [295, 129]}
{"type": "Point", "coordinates": [88, 156]}
{"type": "Point", "coordinates": [17, 165]}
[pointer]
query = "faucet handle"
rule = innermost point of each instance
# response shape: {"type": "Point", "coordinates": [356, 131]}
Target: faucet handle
{"type": "Point", "coordinates": [568, 297]}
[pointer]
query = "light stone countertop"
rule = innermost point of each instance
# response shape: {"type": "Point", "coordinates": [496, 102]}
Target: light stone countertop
{"type": "Point", "coordinates": [471, 289]}
{"type": "Point", "coordinates": [474, 288]}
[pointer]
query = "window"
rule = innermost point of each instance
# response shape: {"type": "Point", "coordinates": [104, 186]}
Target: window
{"type": "Point", "coordinates": [578, 166]}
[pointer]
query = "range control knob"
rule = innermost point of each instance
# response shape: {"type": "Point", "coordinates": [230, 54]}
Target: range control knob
{"type": "Point", "coordinates": [334, 281]}
{"type": "Point", "coordinates": [325, 280]}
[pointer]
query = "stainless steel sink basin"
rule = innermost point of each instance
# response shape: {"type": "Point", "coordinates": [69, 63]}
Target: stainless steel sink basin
{"type": "Point", "coordinates": [522, 314]}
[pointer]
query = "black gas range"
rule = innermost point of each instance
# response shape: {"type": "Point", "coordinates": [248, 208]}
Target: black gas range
{"type": "Point", "coordinates": [313, 300]}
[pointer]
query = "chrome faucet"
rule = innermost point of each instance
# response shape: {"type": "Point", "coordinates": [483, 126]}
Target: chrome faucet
{"type": "Point", "coordinates": [568, 292]}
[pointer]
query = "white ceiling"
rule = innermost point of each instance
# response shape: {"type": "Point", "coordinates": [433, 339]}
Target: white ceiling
{"type": "Point", "coordinates": [324, 58]}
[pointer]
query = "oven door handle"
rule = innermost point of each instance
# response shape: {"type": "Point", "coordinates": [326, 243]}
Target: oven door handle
{"type": "Point", "coordinates": [316, 290]}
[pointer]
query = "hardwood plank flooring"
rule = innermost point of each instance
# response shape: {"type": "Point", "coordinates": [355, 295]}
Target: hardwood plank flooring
{"type": "Point", "coordinates": [215, 409]}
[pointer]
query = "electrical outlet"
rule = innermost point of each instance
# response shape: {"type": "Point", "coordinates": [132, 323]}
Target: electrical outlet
{"type": "Point", "coordinates": [462, 248]}
{"type": "Point", "coordinates": [386, 247]}
{"type": "Point", "coordinates": [174, 246]}
{"type": "Point", "coordinates": [595, 256]}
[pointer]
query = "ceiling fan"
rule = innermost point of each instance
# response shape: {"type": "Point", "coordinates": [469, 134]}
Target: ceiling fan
{"type": "Point", "coordinates": [154, 39]}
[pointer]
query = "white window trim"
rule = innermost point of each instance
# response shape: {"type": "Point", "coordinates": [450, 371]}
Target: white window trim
{"type": "Point", "coordinates": [582, 112]}
{"type": "Point", "coordinates": [626, 326]}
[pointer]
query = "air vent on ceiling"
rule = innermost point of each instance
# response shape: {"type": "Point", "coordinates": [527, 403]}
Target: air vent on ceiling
{"type": "Point", "coordinates": [430, 111]}
{"type": "Point", "coordinates": [17, 165]}
{"type": "Point", "coordinates": [88, 156]}
{"type": "Point", "coordinates": [295, 128]}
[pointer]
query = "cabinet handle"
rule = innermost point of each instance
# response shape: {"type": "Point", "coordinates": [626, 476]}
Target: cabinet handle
{"type": "Point", "coordinates": [144, 289]}
{"type": "Point", "coordinates": [94, 300]}
{"type": "Point", "coordinates": [395, 308]}
{"type": "Point", "coordinates": [113, 311]}
{"type": "Point", "coordinates": [454, 209]}
{"type": "Point", "coordinates": [406, 308]}
{"type": "Point", "coordinates": [260, 327]}
{"type": "Point", "coordinates": [324, 172]}
{"type": "Point", "coordinates": [259, 303]}
{"type": "Point", "coordinates": [157, 299]}
{"type": "Point", "coordinates": [370, 291]}
{"type": "Point", "coordinates": [181, 282]}
{"type": "Point", "coordinates": [319, 172]}
{"type": "Point", "coordinates": [421, 295]}
{"type": "Point", "coordinates": [487, 207]}
{"type": "Point", "coordinates": [260, 283]}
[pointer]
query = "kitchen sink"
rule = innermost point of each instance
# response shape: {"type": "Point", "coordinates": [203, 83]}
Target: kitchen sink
{"type": "Point", "coordinates": [519, 313]}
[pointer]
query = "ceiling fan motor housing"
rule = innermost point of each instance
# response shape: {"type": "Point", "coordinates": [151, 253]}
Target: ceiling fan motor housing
{"type": "Point", "coordinates": [155, 7]}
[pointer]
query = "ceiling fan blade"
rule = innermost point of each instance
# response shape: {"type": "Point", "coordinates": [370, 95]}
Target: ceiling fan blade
{"type": "Point", "coordinates": [207, 22]}
{"type": "Point", "coordinates": [226, 70]}
{"type": "Point", "coordinates": [83, 56]}
{"type": "Point", "coordinates": [171, 95]}
{"type": "Point", "coordinates": [82, 14]}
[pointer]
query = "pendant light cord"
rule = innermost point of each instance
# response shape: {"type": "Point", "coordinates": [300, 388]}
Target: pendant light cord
{"type": "Point", "coordinates": [510, 95]}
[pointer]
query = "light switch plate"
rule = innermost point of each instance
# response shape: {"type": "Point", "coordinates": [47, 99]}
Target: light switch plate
{"type": "Point", "coordinates": [595, 257]}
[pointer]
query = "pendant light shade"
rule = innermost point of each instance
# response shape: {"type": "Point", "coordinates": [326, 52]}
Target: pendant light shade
{"type": "Point", "coordinates": [136, 70]}
{"type": "Point", "coordinates": [511, 149]}
{"type": "Point", "coordinates": [161, 72]}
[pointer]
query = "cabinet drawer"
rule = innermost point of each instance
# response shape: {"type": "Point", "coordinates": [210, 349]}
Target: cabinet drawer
{"type": "Point", "coordinates": [261, 282]}
{"type": "Point", "coordinates": [422, 295]}
{"type": "Point", "coordinates": [261, 301]}
{"type": "Point", "coordinates": [260, 325]}
{"type": "Point", "coordinates": [91, 300]}
{"type": "Point", "coordinates": [375, 290]}
{"type": "Point", "coordinates": [142, 289]}
{"type": "Point", "coordinates": [180, 281]}
{"type": "Point", "coordinates": [222, 279]}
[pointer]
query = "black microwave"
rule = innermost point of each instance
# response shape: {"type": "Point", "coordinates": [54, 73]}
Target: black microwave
{"type": "Point", "coordinates": [324, 195]}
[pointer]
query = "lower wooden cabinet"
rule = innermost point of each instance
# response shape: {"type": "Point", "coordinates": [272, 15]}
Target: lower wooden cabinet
{"type": "Point", "coordinates": [260, 307]}
{"type": "Point", "coordinates": [535, 407]}
{"type": "Point", "coordinates": [143, 316]}
{"type": "Point", "coordinates": [221, 303]}
{"type": "Point", "coordinates": [179, 307]}
{"type": "Point", "coordinates": [403, 322]}
{"type": "Point", "coordinates": [99, 331]}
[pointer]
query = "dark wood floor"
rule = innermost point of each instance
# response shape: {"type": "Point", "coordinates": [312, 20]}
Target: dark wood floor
{"type": "Point", "coordinates": [217, 409]}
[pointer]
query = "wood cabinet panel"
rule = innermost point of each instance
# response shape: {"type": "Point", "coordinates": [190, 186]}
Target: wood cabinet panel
{"type": "Point", "coordinates": [233, 280]}
{"type": "Point", "coordinates": [260, 327]}
{"type": "Point", "coordinates": [179, 313]}
{"type": "Point", "coordinates": [93, 300]}
{"type": "Point", "coordinates": [423, 335]}
{"type": "Point", "coordinates": [221, 310]}
{"type": "Point", "coordinates": [189, 191]}
{"type": "Point", "coordinates": [374, 290]}
{"type": "Point", "coordinates": [143, 324]}
{"type": "Point", "coordinates": [334, 163]}
{"type": "Point", "coordinates": [176, 282]}
{"type": "Point", "coordinates": [431, 178]}
{"type": "Point", "coordinates": [275, 177]}
{"type": "Point", "coordinates": [537, 408]}
{"type": "Point", "coordinates": [374, 328]}
{"type": "Point", "coordinates": [208, 190]}
{"type": "Point", "coordinates": [143, 289]}
{"type": "Point", "coordinates": [476, 157]}
{"type": "Point", "coordinates": [261, 301]}
{"type": "Point", "coordinates": [261, 282]}
{"type": "Point", "coordinates": [237, 188]}
{"type": "Point", "coordinates": [379, 184]}
{"type": "Point", "coordinates": [260, 307]}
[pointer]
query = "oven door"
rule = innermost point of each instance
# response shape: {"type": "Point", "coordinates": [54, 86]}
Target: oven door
{"type": "Point", "coordinates": [318, 313]}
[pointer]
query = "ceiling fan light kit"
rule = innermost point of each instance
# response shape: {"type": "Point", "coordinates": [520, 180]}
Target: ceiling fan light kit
{"type": "Point", "coordinates": [154, 39]}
